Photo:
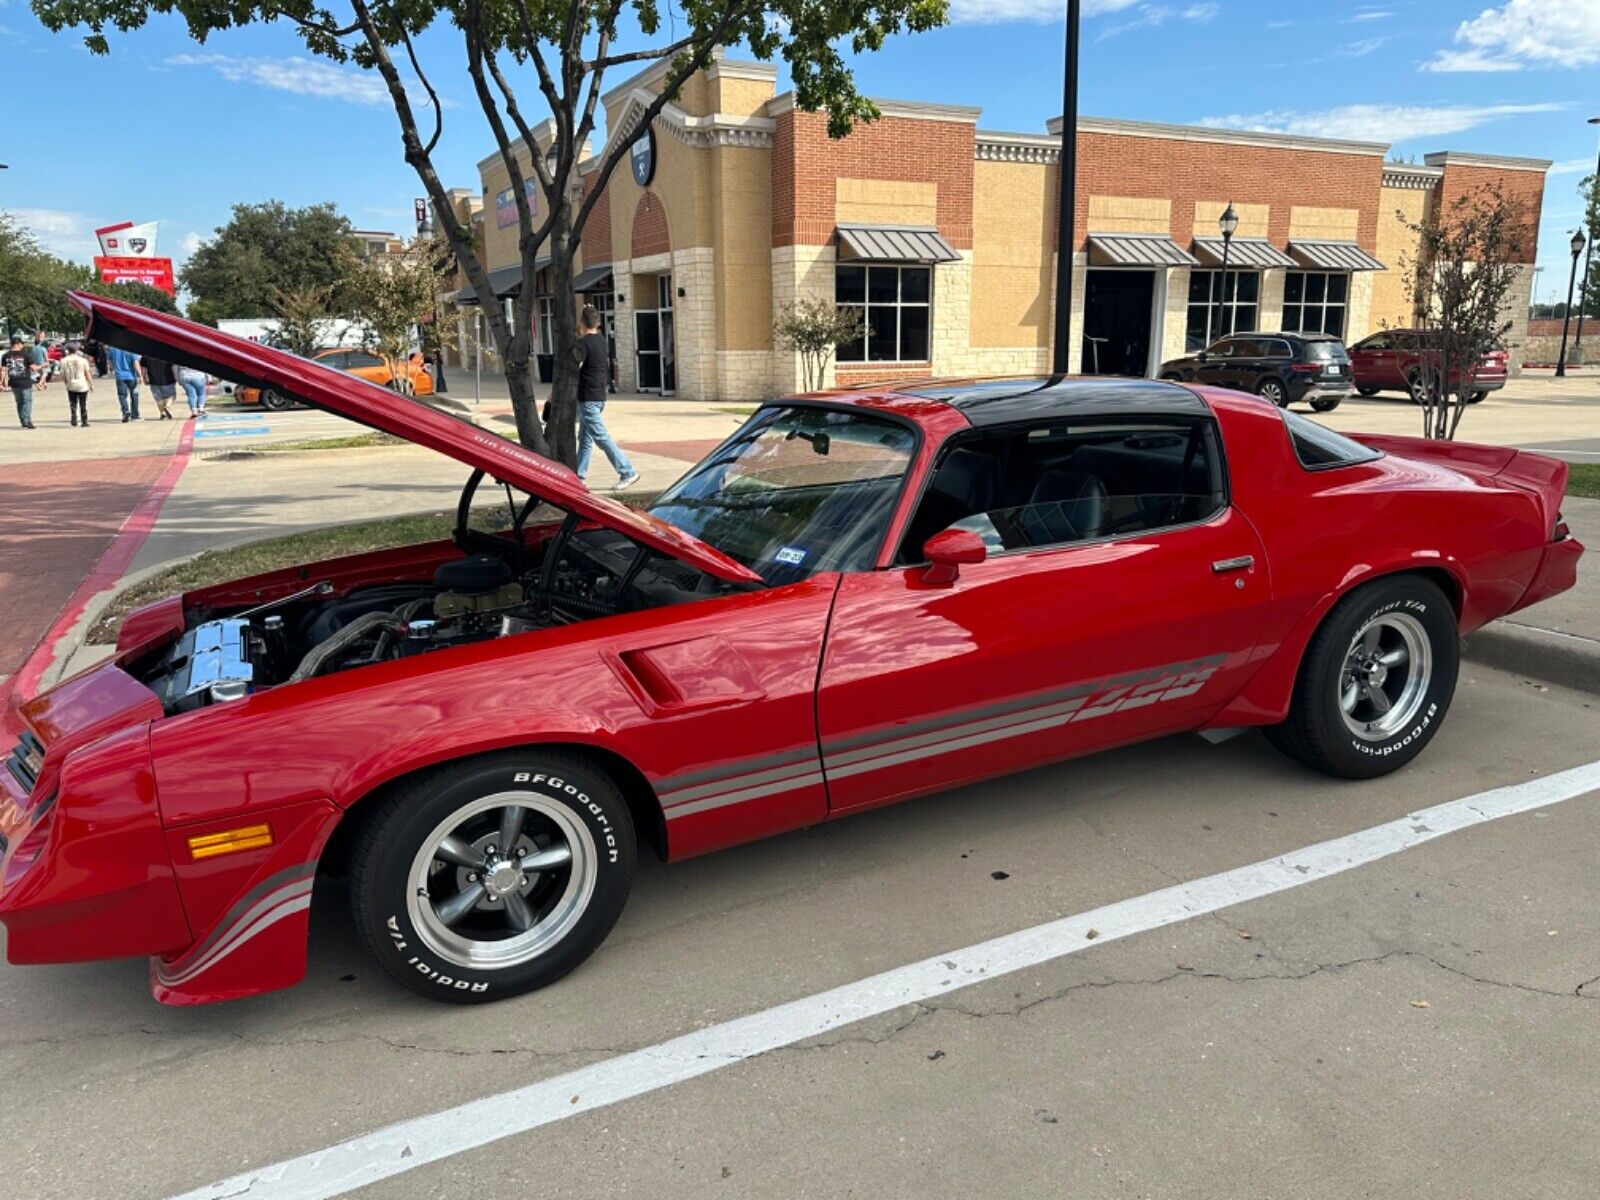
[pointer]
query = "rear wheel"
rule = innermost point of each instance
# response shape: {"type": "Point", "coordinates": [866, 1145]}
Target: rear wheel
{"type": "Point", "coordinates": [1367, 391]}
{"type": "Point", "coordinates": [493, 877]}
{"type": "Point", "coordinates": [1475, 397]}
{"type": "Point", "coordinates": [1272, 390]}
{"type": "Point", "coordinates": [1326, 405]}
{"type": "Point", "coordinates": [1376, 681]}
{"type": "Point", "coordinates": [1173, 376]}
{"type": "Point", "coordinates": [1419, 384]}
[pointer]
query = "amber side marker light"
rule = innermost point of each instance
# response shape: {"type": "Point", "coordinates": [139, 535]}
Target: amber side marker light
{"type": "Point", "coordinates": [230, 841]}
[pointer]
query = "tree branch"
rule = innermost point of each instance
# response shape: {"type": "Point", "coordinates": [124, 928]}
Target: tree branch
{"type": "Point", "coordinates": [433, 96]}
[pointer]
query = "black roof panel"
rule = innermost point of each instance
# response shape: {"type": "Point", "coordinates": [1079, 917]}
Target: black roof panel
{"type": "Point", "coordinates": [1002, 401]}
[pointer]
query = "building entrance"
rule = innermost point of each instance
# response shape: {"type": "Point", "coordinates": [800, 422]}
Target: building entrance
{"type": "Point", "coordinates": [654, 342]}
{"type": "Point", "coordinates": [1116, 322]}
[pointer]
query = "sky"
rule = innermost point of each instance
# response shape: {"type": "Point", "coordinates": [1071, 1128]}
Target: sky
{"type": "Point", "coordinates": [169, 130]}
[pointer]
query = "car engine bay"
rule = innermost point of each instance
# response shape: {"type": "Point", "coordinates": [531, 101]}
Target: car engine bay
{"type": "Point", "coordinates": [573, 576]}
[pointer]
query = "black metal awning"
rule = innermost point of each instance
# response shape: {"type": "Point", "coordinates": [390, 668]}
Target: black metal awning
{"type": "Point", "coordinates": [593, 279]}
{"type": "Point", "coordinates": [1137, 250]}
{"type": "Point", "coordinates": [894, 243]}
{"type": "Point", "coordinates": [505, 281]}
{"type": "Point", "coordinates": [1334, 256]}
{"type": "Point", "coordinates": [1243, 252]}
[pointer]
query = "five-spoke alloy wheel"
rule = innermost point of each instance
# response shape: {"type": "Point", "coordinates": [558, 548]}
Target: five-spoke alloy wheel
{"type": "Point", "coordinates": [493, 876]}
{"type": "Point", "coordinates": [1375, 681]}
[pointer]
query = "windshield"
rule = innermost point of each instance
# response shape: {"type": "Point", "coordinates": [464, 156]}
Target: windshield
{"type": "Point", "coordinates": [1326, 352]}
{"type": "Point", "coordinates": [796, 491]}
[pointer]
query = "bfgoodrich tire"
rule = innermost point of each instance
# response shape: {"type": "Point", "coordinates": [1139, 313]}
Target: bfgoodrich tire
{"type": "Point", "coordinates": [1376, 681]}
{"type": "Point", "coordinates": [493, 877]}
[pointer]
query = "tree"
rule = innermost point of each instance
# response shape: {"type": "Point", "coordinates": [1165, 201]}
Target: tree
{"type": "Point", "coordinates": [265, 250]}
{"type": "Point", "coordinates": [568, 47]}
{"type": "Point", "coordinates": [302, 317]}
{"type": "Point", "coordinates": [34, 283]}
{"type": "Point", "coordinates": [135, 291]}
{"type": "Point", "coordinates": [1589, 285]}
{"type": "Point", "coordinates": [392, 298]}
{"type": "Point", "coordinates": [814, 328]}
{"type": "Point", "coordinates": [1460, 279]}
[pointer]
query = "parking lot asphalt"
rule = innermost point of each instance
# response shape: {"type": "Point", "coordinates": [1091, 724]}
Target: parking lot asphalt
{"type": "Point", "coordinates": [1421, 1026]}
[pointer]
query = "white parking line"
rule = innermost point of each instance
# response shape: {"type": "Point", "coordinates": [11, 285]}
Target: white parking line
{"type": "Point", "coordinates": [407, 1145]}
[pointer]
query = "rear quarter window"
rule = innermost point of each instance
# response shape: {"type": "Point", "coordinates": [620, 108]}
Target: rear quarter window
{"type": "Point", "coordinates": [1319, 448]}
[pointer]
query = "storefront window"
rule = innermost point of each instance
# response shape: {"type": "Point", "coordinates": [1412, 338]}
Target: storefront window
{"type": "Point", "coordinates": [896, 305]}
{"type": "Point", "coordinates": [1314, 301]}
{"type": "Point", "coordinates": [546, 311]}
{"type": "Point", "coordinates": [1213, 314]}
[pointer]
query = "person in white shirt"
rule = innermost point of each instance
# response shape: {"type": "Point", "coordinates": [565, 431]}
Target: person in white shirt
{"type": "Point", "coordinates": [77, 375]}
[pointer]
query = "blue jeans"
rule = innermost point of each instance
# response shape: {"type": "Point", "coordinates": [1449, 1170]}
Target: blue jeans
{"type": "Point", "coordinates": [24, 397]}
{"type": "Point", "coordinates": [592, 432]}
{"type": "Point", "coordinates": [194, 390]}
{"type": "Point", "coordinates": [128, 396]}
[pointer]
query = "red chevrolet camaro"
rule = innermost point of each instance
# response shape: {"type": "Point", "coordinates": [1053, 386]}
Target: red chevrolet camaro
{"type": "Point", "coordinates": [856, 599]}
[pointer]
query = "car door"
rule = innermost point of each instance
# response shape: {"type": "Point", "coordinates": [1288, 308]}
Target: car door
{"type": "Point", "coordinates": [1215, 364]}
{"type": "Point", "coordinates": [1045, 649]}
{"type": "Point", "coordinates": [1370, 361]}
{"type": "Point", "coordinates": [1249, 364]}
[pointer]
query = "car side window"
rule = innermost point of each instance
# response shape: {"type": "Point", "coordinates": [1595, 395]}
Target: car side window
{"type": "Point", "coordinates": [337, 361]}
{"type": "Point", "coordinates": [1227, 348]}
{"type": "Point", "coordinates": [1025, 488]}
{"type": "Point", "coordinates": [1378, 341]}
{"type": "Point", "coordinates": [360, 358]}
{"type": "Point", "coordinates": [1249, 348]}
{"type": "Point", "coordinates": [1278, 348]}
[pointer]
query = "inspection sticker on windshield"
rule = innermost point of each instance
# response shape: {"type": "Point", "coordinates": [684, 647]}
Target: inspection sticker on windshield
{"type": "Point", "coordinates": [792, 555]}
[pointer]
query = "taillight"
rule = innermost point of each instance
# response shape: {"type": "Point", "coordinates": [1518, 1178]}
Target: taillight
{"type": "Point", "coordinates": [1306, 368]}
{"type": "Point", "coordinates": [1560, 533]}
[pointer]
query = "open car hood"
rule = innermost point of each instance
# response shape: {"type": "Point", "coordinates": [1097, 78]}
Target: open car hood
{"type": "Point", "coordinates": [144, 331]}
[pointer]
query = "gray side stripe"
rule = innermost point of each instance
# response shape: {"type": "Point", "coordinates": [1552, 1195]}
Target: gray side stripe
{"type": "Point", "coordinates": [739, 797]}
{"type": "Point", "coordinates": [940, 736]}
{"type": "Point", "coordinates": [266, 912]}
{"type": "Point", "coordinates": [739, 782]}
{"type": "Point", "coordinates": [892, 758]}
{"type": "Point", "coordinates": [230, 918]}
{"type": "Point", "coordinates": [733, 771]}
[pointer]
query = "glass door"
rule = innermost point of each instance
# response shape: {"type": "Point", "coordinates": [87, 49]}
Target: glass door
{"type": "Point", "coordinates": [647, 343]}
{"type": "Point", "coordinates": [669, 357]}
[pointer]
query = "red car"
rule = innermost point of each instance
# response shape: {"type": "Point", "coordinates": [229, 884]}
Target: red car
{"type": "Point", "coordinates": [856, 599]}
{"type": "Point", "coordinates": [1404, 360]}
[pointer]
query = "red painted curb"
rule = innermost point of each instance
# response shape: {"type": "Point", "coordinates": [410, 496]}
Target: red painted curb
{"type": "Point", "coordinates": [110, 568]}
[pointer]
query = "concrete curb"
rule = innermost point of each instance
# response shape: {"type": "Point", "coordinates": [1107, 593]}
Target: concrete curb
{"type": "Point", "coordinates": [1563, 659]}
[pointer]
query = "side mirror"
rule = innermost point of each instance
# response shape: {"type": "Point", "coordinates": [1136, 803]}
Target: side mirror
{"type": "Point", "coordinates": [948, 552]}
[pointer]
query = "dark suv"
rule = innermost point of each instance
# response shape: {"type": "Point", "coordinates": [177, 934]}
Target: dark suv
{"type": "Point", "coordinates": [1280, 367]}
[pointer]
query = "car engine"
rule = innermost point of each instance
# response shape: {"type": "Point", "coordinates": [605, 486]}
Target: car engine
{"type": "Point", "coordinates": [313, 632]}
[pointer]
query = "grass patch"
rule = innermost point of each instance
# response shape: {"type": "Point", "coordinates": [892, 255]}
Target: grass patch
{"type": "Point", "coordinates": [1584, 480]}
{"type": "Point", "coordinates": [272, 554]}
{"type": "Point", "coordinates": [351, 441]}
{"type": "Point", "coordinates": [739, 410]}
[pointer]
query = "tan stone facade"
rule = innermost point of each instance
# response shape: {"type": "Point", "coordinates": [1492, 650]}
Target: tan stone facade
{"type": "Point", "coordinates": [945, 234]}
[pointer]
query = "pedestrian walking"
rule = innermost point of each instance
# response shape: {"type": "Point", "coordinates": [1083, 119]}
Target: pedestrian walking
{"type": "Point", "coordinates": [193, 383]}
{"type": "Point", "coordinates": [77, 376]}
{"type": "Point", "coordinates": [594, 372]}
{"type": "Point", "coordinates": [159, 374]}
{"type": "Point", "coordinates": [39, 358]}
{"type": "Point", "coordinates": [125, 368]}
{"type": "Point", "coordinates": [20, 375]}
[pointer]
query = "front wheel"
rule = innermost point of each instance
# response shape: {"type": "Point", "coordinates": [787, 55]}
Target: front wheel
{"type": "Point", "coordinates": [1420, 386]}
{"type": "Point", "coordinates": [493, 877]}
{"type": "Point", "coordinates": [276, 400]}
{"type": "Point", "coordinates": [1272, 391]}
{"type": "Point", "coordinates": [1476, 397]}
{"type": "Point", "coordinates": [1362, 390]}
{"type": "Point", "coordinates": [1376, 680]}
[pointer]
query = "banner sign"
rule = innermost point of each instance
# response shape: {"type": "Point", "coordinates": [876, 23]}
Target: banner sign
{"type": "Point", "coordinates": [157, 272]}
{"type": "Point", "coordinates": [127, 240]}
{"type": "Point", "coordinates": [505, 204]}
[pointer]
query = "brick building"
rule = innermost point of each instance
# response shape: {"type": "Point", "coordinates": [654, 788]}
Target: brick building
{"type": "Point", "coordinates": [944, 234]}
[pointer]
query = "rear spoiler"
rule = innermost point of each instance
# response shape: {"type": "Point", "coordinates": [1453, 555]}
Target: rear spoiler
{"type": "Point", "coordinates": [1539, 474]}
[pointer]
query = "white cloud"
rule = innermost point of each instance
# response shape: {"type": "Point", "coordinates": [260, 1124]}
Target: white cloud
{"type": "Point", "coordinates": [1572, 166]}
{"type": "Point", "coordinates": [1525, 33]}
{"type": "Point", "coordinates": [1151, 15]}
{"type": "Point", "coordinates": [1377, 122]}
{"type": "Point", "coordinates": [1369, 14]}
{"type": "Point", "coordinates": [301, 76]}
{"type": "Point", "coordinates": [190, 242]}
{"type": "Point", "coordinates": [62, 233]}
{"type": "Point", "coordinates": [998, 12]}
{"type": "Point", "coordinates": [1363, 47]}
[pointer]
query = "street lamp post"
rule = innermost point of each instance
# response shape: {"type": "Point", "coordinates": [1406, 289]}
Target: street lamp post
{"type": "Point", "coordinates": [1067, 204]}
{"type": "Point", "coordinates": [1577, 249]}
{"type": "Point", "coordinates": [1228, 224]}
{"type": "Point", "coordinates": [1577, 344]}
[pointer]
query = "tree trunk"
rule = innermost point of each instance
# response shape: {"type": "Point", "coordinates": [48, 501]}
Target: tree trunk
{"type": "Point", "coordinates": [561, 430]}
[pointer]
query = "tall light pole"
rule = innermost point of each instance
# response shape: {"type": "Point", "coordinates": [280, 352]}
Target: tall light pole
{"type": "Point", "coordinates": [1066, 235]}
{"type": "Point", "coordinates": [1228, 224]}
{"type": "Point", "coordinates": [1577, 344]}
{"type": "Point", "coordinates": [1577, 249]}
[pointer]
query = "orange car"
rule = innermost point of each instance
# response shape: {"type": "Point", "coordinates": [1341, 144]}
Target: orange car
{"type": "Point", "coordinates": [368, 366]}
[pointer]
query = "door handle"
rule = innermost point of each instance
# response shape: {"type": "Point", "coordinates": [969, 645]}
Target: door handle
{"type": "Point", "coordinates": [1224, 566]}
